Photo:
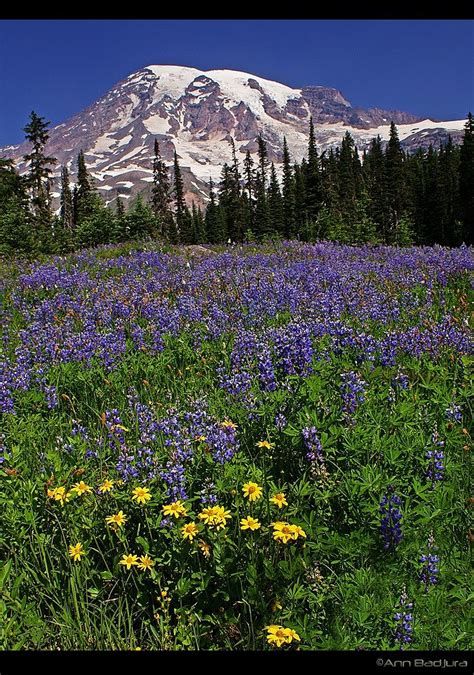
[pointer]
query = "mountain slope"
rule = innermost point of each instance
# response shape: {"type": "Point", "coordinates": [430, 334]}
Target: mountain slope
{"type": "Point", "coordinates": [197, 112]}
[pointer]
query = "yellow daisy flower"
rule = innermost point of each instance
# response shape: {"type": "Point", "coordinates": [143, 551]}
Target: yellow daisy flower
{"type": "Point", "coordinates": [118, 519]}
{"type": "Point", "coordinates": [292, 635]}
{"type": "Point", "coordinates": [141, 495]}
{"type": "Point", "coordinates": [228, 424]}
{"type": "Point", "coordinates": [106, 486]}
{"type": "Point", "coordinates": [249, 523]}
{"type": "Point", "coordinates": [81, 488]}
{"type": "Point", "coordinates": [205, 548]}
{"type": "Point", "coordinates": [283, 532]}
{"type": "Point", "coordinates": [176, 509]}
{"type": "Point", "coordinates": [189, 531]}
{"type": "Point", "coordinates": [129, 560]}
{"type": "Point", "coordinates": [59, 494]}
{"type": "Point", "coordinates": [279, 500]}
{"type": "Point", "coordinates": [146, 563]}
{"type": "Point", "coordinates": [276, 635]}
{"type": "Point", "coordinates": [76, 552]}
{"type": "Point", "coordinates": [299, 531]}
{"type": "Point", "coordinates": [265, 444]}
{"type": "Point", "coordinates": [252, 491]}
{"type": "Point", "coordinates": [215, 516]}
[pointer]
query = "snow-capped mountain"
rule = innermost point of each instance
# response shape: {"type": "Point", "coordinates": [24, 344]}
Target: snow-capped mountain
{"type": "Point", "coordinates": [197, 112]}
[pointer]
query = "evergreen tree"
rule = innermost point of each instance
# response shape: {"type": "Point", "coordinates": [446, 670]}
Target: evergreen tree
{"type": "Point", "coordinates": [141, 220]}
{"type": "Point", "coordinates": [212, 221]}
{"type": "Point", "coordinates": [394, 185]}
{"type": "Point", "coordinates": [66, 209]}
{"type": "Point", "coordinates": [289, 209]}
{"type": "Point", "coordinates": [38, 178]}
{"type": "Point", "coordinates": [374, 177]}
{"type": "Point", "coordinates": [182, 216]}
{"type": "Point", "coordinates": [249, 174]}
{"type": "Point", "coordinates": [263, 226]}
{"type": "Point", "coordinates": [15, 218]}
{"type": "Point", "coordinates": [347, 179]}
{"type": "Point", "coordinates": [466, 182]}
{"type": "Point", "coordinates": [85, 200]}
{"type": "Point", "coordinates": [161, 193]}
{"type": "Point", "coordinates": [122, 231]}
{"type": "Point", "coordinates": [300, 200]}
{"type": "Point", "coordinates": [275, 204]}
{"type": "Point", "coordinates": [312, 178]}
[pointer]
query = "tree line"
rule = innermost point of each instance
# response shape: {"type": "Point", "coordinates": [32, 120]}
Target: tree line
{"type": "Point", "coordinates": [387, 195]}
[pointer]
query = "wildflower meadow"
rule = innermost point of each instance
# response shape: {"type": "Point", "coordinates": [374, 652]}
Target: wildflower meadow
{"type": "Point", "coordinates": [253, 447]}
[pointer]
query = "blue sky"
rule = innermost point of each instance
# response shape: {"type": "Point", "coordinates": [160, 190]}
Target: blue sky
{"type": "Point", "coordinates": [59, 67]}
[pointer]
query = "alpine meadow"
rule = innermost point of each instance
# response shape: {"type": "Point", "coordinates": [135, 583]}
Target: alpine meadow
{"type": "Point", "coordinates": [236, 372]}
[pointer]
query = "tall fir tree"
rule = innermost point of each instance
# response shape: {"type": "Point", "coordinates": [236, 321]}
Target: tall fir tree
{"type": "Point", "coordinates": [86, 200]}
{"type": "Point", "coordinates": [374, 177]}
{"type": "Point", "coordinates": [161, 193]}
{"type": "Point", "coordinates": [466, 182]}
{"type": "Point", "coordinates": [249, 177]}
{"type": "Point", "coordinates": [39, 174]}
{"type": "Point", "coordinates": [66, 206]}
{"type": "Point", "coordinates": [182, 216]}
{"type": "Point", "coordinates": [212, 220]}
{"type": "Point", "coordinates": [263, 226]}
{"type": "Point", "coordinates": [275, 204]}
{"type": "Point", "coordinates": [289, 210]}
{"type": "Point", "coordinates": [395, 184]}
{"type": "Point", "coordinates": [312, 178]}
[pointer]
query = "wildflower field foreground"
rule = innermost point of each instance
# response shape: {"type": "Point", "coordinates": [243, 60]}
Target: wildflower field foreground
{"type": "Point", "coordinates": [259, 448]}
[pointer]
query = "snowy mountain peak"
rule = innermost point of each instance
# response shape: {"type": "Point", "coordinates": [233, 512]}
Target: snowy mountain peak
{"type": "Point", "coordinates": [197, 112]}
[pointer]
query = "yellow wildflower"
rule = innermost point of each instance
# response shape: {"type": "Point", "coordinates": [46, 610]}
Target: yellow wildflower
{"type": "Point", "coordinates": [146, 563]}
{"type": "Point", "coordinates": [283, 532]}
{"type": "Point", "coordinates": [189, 531]}
{"type": "Point", "coordinates": [228, 424]}
{"type": "Point", "coordinates": [249, 523]}
{"type": "Point", "coordinates": [59, 494]}
{"type": "Point", "coordinates": [215, 516]}
{"type": "Point", "coordinates": [76, 551]}
{"type": "Point", "coordinates": [276, 635]}
{"type": "Point", "coordinates": [252, 491]}
{"type": "Point", "coordinates": [81, 488]}
{"type": "Point", "coordinates": [106, 486]}
{"type": "Point", "coordinates": [205, 548]}
{"type": "Point", "coordinates": [176, 509]}
{"type": "Point", "coordinates": [141, 494]}
{"type": "Point", "coordinates": [265, 444]}
{"type": "Point", "coordinates": [299, 531]}
{"type": "Point", "coordinates": [279, 636]}
{"type": "Point", "coordinates": [292, 635]}
{"type": "Point", "coordinates": [129, 560]}
{"type": "Point", "coordinates": [279, 500]}
{"type": "Point", "coordinates": [118, 519]}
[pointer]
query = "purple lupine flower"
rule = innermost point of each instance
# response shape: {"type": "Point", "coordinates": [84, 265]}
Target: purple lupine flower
{"type": "Point", "coordinates": [400, 381]}
{"type": "Point", "coordinates": [352, 392]}
{"type": "Point", "coordinates": [314, 453]}
{"type": "Point", "coordinates": [207, 494]}
{"type": "Point", "coordinates": [266, 371]}
{"type": "Point", "coordinates": [435, 457]}
{"type": "Point", "coordinates": [403, 634]}
{"type": "Point", "coordinates": [453, 413]}
{"type": "Point", "coordinates": [390, 521]}
{"type": "Point", "coordinates": [280, 421]}
{"type": "Point", "coordinates": [429, 561]}
{"type": "Point", "coordinates": [312, 444]}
